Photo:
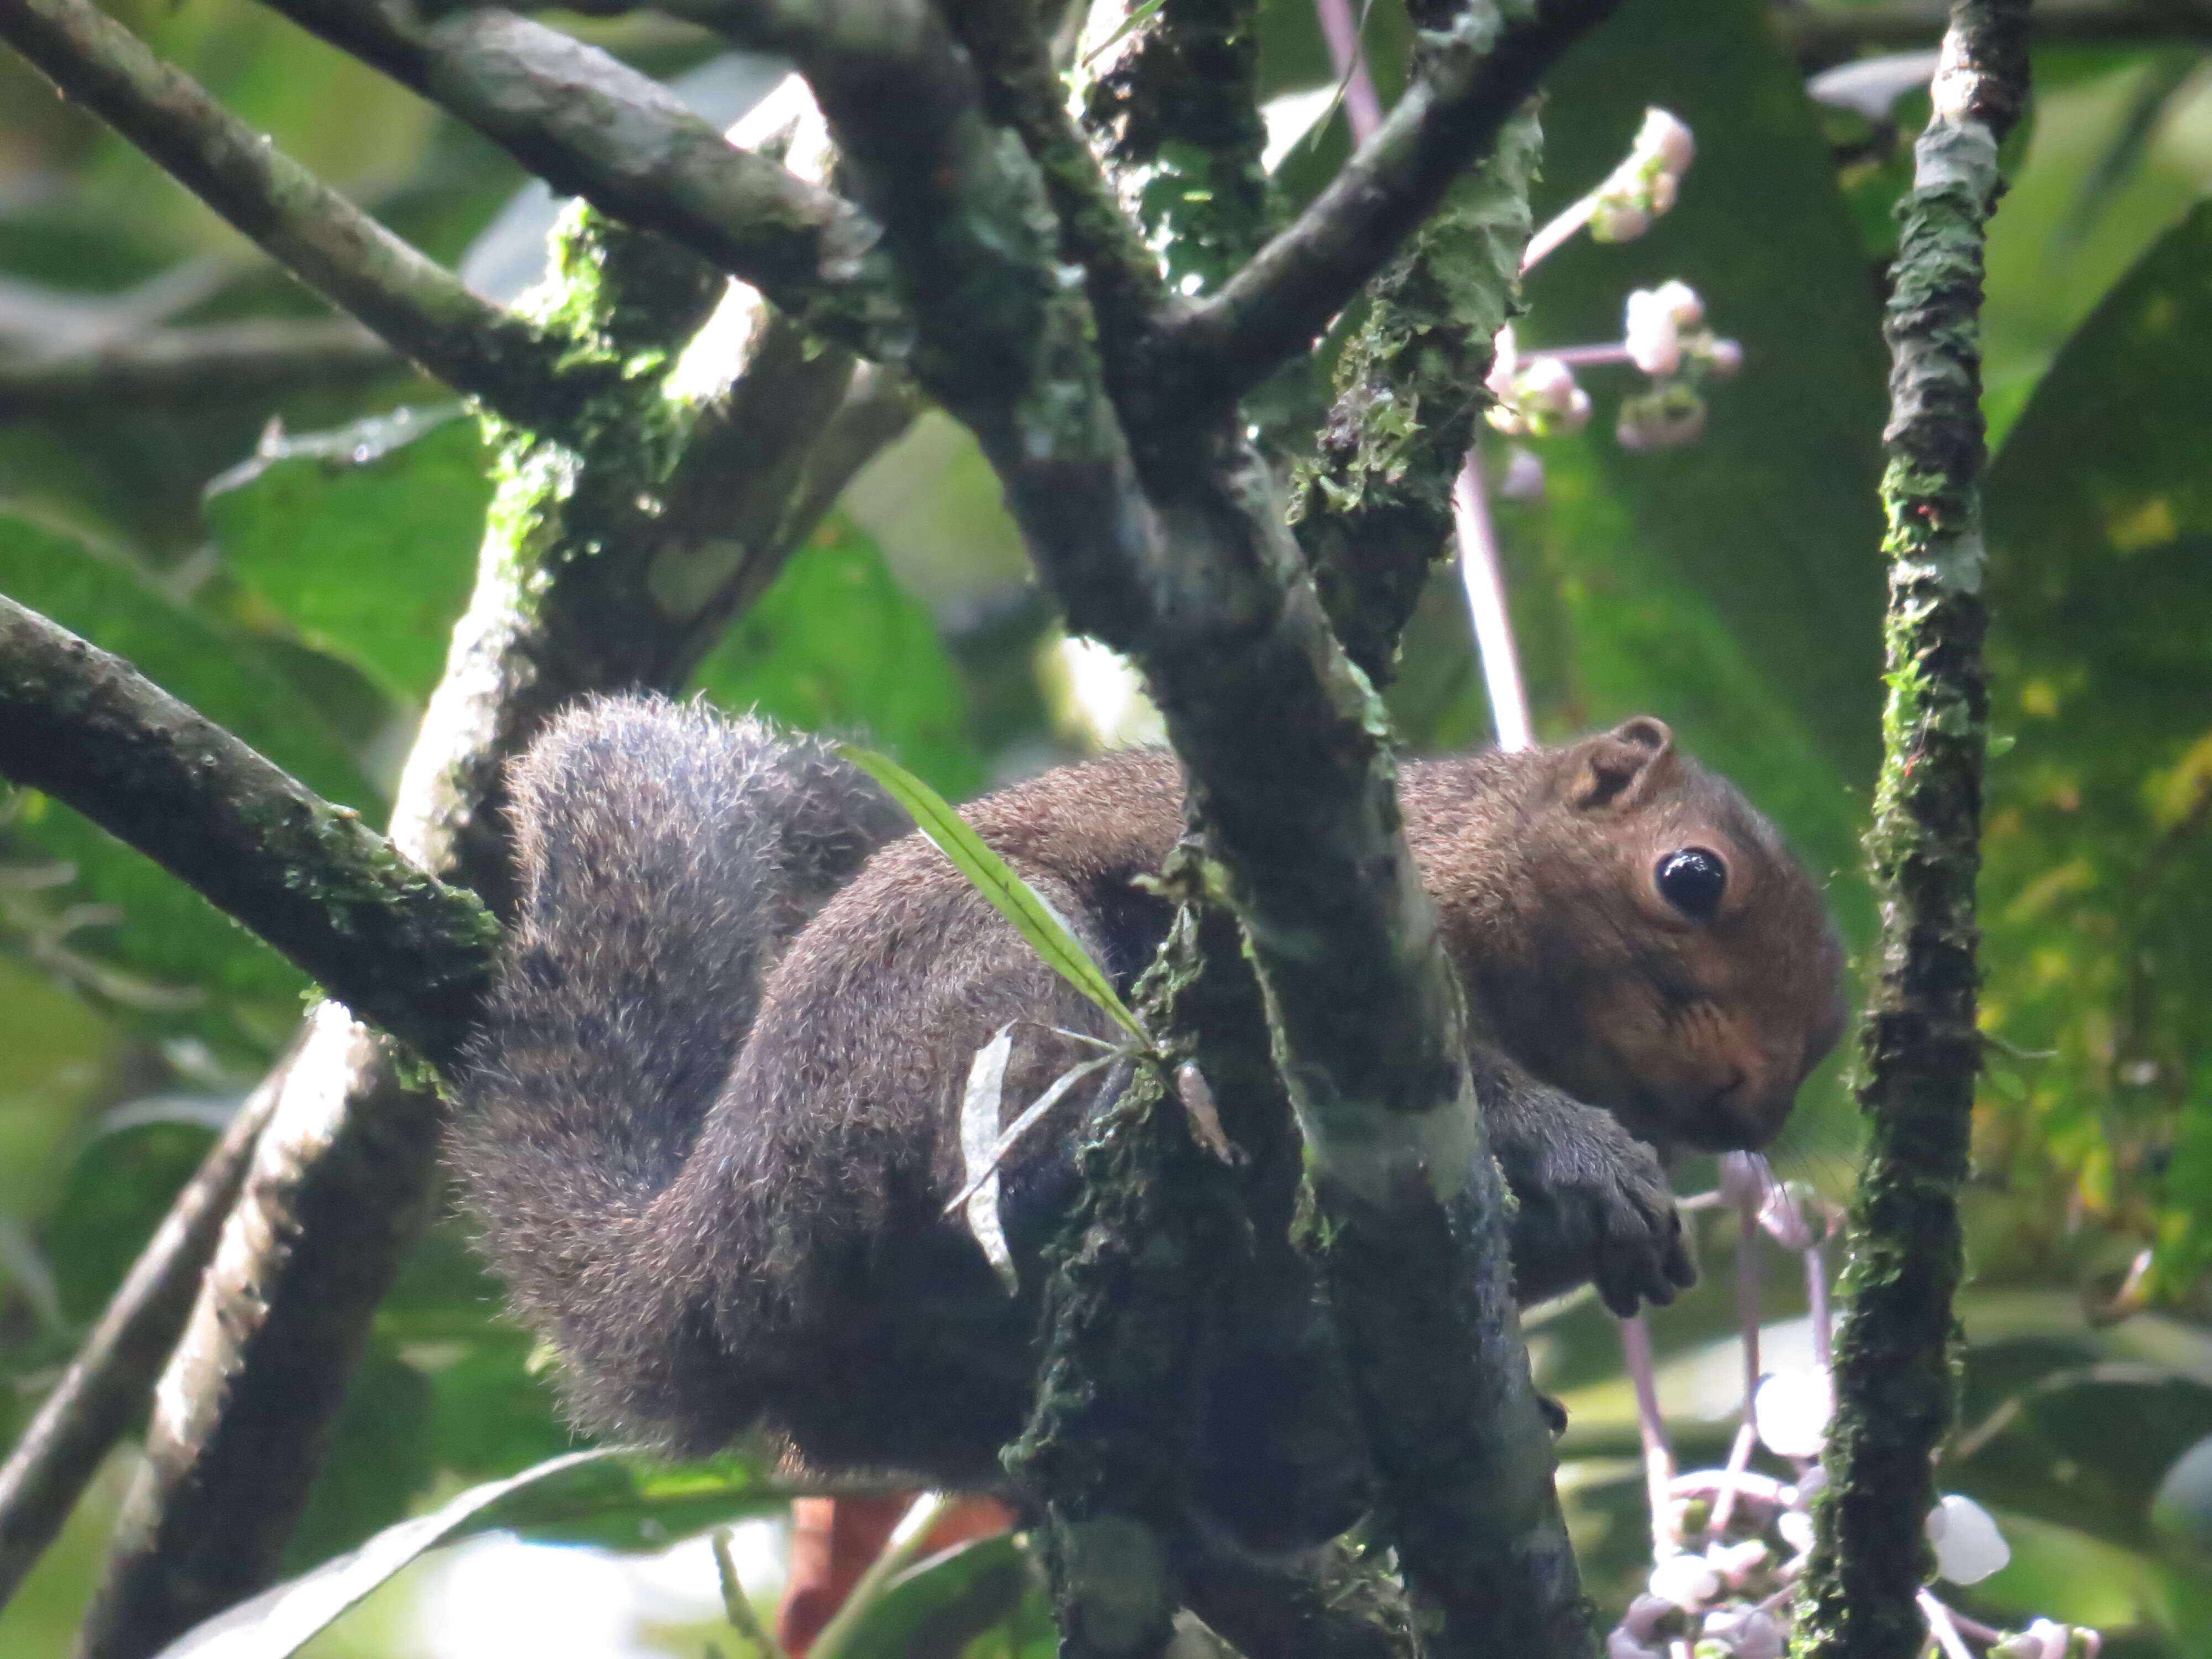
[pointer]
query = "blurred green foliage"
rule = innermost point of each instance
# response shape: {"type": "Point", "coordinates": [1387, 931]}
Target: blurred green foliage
{"type": "Point", "coordinates": [292, 565]}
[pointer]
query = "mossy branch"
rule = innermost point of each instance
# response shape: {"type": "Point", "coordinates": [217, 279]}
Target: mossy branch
{"type": "Point", "coordinates": [1474, 73]}
{"type": "Point", "coordinates": [422, 310]}
{"type": "Point", "coordinates": [591, 125]}
{"type": "Point", "coordinates": [1893, 1359]}
{"type": "Point", "coordinates": [338, 900]}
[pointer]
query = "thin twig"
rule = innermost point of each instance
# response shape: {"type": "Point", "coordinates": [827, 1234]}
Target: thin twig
{"type": "Point", "coordinates": [106, 1384]}
{"type": "Point", "coordinates": [229, 362]}
{"type": "Point", "coordinates": [1362, 109]}
{"type": "Point", "coordinates": [1822, 34]}
{"type": "Point", "coordinates": [906, 1544]}
{"type": "Point", "coordinates": [1282, 300]}
{"type": "Point", "coordinates": [737, 1607]}
{"type": "Point", "coordinates": [422, 309]}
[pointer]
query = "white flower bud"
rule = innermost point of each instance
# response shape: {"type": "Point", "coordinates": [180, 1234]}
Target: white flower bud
{"type": "Point", "coordinates": [1524, 476]}
{"type": "Point", "coordinates": [1968, 1546]}
{"type": "Point", "coordinates": [1682, 303]}
{"type": "Point", "coordinates": [1791, 1412]}
{"type": "Point", "coordinates": [1505, 364]}
{"type": "Point", "coordinates": [1688, 1580]}
{"type": "Point", "coordinates": [1737, 1561]}
{"type": "Point", "coordinates": [1652, 1619]}
{"type": "Point", "coordinates": [1664, 138]}
{"type": "Point", "coordinates": [1618, 219]}
{"type": "Point", "coordinates": [1796, 1530]}
{"type": "Point", "coordinates": [1723, 359]}
{"type": "Point", "coordinates": [1743, 1179]}
{"type": "Point", "coordinates": [1547, 387]}
{"type": "Point", "coordinates": [1745, 1631]}
{"type": "Point", "coordinates": [1619, 1645]}
{"type": "Point", "coordinates": [1650, 333]}
{"type": "Point", "coordinates": [1661, 193]}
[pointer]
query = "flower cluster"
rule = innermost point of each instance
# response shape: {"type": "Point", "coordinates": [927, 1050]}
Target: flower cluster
{"type": "Point", "coordinates": [1645, 185]}
{"type": "Point", "coordinates": [1536, 396]}
{"type": "Point", "coordinates": [1733, 1543]}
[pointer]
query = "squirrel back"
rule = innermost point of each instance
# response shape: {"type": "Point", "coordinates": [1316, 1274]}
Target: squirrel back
{"type": "Point", "coordinates": [667, 856]}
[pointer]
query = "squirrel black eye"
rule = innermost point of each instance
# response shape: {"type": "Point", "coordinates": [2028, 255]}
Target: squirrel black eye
{"type": "Point", "coordinates": [1692, 880]}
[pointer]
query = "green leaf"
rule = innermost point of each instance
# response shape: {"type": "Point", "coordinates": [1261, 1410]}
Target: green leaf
{"type": "Point", "coordinates": [599, 1497]}
{"type": "Point", "coordinates": [836, 645]}
{"type": "Point", "coordinates": [115, 1194]}
{"type": "Point", "coordinates": [942, 1604]}
{"type": "Point", "coordinates": [2097, 879]}
{"type": "Point", "coordinates": [379, 1459]}
{"type": "Point", "coordinates": [364, 539]}
{"type": "Point", "coordinates": [991, 876]}
{"type": "Point", "coordinates": [281, 1620]}
{"type": "Point", "coordinates": [165, 932]}
{"type": "Point", "coordinates": [636, 1501]}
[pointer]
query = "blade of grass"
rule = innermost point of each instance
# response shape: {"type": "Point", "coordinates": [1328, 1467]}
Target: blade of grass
{"type": "Point", "coordinates": [1013, 897]}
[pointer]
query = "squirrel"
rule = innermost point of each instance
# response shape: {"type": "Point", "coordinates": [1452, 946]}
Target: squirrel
{"type": "Point", "coordinates": [711, 1122]}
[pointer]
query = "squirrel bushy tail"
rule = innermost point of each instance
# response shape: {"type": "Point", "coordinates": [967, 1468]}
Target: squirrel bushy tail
{"type": "Point", "coordinates": [666, 855]}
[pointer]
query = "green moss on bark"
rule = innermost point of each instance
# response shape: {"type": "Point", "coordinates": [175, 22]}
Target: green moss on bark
{"type": "Point", "coordinates": [1894, 1352]}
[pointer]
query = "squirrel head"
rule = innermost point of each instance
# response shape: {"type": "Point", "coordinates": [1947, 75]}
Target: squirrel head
{"type": "Point", "coordinates": [1639, 934]}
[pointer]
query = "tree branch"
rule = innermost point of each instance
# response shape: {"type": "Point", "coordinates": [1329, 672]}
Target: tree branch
{"type": "Point", "coordinates": [329, 893]}
{"type": "Point", "coordinates": [1829, 34]}
{"type": "Point", "coordinates": [1022, 90]}
{"type": "Point", "coordinates": [416, 305]}
{"type": "Point", "coordinates": [1893, 1373]}
{"type": "Point", "coordinates": [1472, 83]}
{"type": "Point", "coordinates": [592, 126]}
{"type": "Point", "coordinates": [1372, 506]}
{"type": "Point", "coordinates": [105, 1386]}
{"type": "Point", "coordinates": [169, 367]}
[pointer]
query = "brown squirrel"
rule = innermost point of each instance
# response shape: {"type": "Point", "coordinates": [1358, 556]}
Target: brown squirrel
{"type": "Point", "coordinates": [712, 1120]}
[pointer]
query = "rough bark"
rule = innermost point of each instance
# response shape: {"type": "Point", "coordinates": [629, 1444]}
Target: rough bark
{"type": "Point", "coordinates": [1893, 1355]}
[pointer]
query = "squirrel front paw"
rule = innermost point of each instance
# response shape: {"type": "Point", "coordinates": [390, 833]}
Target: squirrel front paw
{"type": "Point", "coordinates": [1594, 1204]}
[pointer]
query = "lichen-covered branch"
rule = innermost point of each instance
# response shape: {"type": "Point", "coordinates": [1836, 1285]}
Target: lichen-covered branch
{"type": "Point", "coordinates": [1829, 34]}
{"type": "Point", "coordinates": [1023, 91]}
{"type": "Point", "coordinates": [1373, 506]}
{"type": "Point", "coordinates": [1892, 1358]}
{"type": "Point", "coordinates": [591, 125]}
{"type": "Point", "coordinates": [421, 308]}
{"type": "Point", "coordinates": [310, 878]}
{"type": "Point", "coordinates": [1475, 73]}
{"type": "Point", "coordinates": [169, 367]}
{"type": "Point", "coordinates": [1172, 106]}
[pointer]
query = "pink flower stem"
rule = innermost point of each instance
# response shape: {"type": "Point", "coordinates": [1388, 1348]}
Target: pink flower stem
{"type": "Point", "coordinates": [1747, 1312]}
{"type": "Point", "coordinates": [1362, 109]}
{"type": "Point", "coordinates": [1816, 1299]}
{"type": "Point", "coordinates": [1946, 1630]}
{"type": "Point", "coordinates": [1581, 356]}
{"type": "Point", "coordinates": [1658, 1457]}
{"type": "Point", "coordinates": [1484, 577]}
{"type": "Point", "coordinates": [1544, 241]}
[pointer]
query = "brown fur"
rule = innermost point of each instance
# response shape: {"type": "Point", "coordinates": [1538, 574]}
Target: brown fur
{"type": "Point", "coordinates": [716, 1105]}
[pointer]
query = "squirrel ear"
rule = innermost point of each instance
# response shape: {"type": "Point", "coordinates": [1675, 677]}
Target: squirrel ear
{"type": "Point", "coordinates": [1617, 769]}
